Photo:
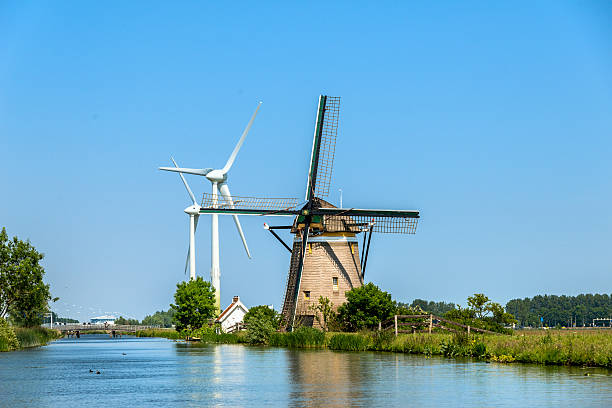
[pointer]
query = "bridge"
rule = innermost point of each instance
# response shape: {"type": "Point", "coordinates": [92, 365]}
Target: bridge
{"type": "Point", "coordinates": [112, 329]}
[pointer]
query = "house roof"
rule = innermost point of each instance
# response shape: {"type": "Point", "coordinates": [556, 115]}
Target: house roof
{"type": "Point", "coordinates": [228, 310]}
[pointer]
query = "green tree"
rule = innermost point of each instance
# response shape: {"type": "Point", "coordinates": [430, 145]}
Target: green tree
{"type": "Point", "coordinates": [499, 314]}
{"type": "Point", "coordinates": [365, 307]}
{"type": "Point", "coordinates": [262, 310]}
{"type": "Point", "coordinates": [194, 304]}
{"type": "Point", "coordinates": [261, 322]}
{"type": "Point", "coordinates": [324, 311]}
{"type": "Point", "coordinates": [23, 294]}
{"type": "Point", "coordinates": [478, 303]}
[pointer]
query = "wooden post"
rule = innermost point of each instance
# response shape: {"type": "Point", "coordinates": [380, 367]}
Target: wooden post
{"type": "Point", "coordinates": [468, 330]}
{"type": "Point", "coordinates": [379, 326]}
{"type": "Point", "coordinates": [430, 323]}
{"type": "Point", "coordinates": [395, 325]}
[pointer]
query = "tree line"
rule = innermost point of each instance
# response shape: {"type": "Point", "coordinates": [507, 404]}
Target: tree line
{"type": "Point", "coordinates": [160, 318]}
{"type": "Point", "coordinates": [553, 310]}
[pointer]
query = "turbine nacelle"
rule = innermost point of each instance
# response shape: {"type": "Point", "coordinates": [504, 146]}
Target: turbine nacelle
{"type": "Point", "coordinates": [217, 176]}
{"type": "Point", "coordinates": [193, 209]}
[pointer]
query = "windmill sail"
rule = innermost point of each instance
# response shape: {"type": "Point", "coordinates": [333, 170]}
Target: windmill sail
{"type": "Point", "coordinates": [323, 147]}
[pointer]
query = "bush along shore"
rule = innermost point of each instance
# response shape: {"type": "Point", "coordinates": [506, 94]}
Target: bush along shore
{"type": "Point", "coordinates": [547, 347]}
{"type": "Point", "coordinates": [15, 338]}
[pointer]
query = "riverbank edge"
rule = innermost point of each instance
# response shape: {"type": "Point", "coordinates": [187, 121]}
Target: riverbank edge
{"type": "Point", "coordinates": [546, 348]}
{"type": "Point", "coordinates": [28, 337]}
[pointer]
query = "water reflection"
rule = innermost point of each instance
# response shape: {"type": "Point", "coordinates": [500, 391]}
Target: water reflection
{"type": "Point", "coordinates": [325, 378]}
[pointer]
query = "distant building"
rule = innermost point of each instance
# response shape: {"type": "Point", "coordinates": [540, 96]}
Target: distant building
{"type": "Point", "coordinates": [102, 320]}
{"type": "Point", "coordinates": [233, 314]}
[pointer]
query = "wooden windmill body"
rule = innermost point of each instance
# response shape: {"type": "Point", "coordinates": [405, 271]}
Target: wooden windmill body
{"type": "Point", "coordinates": [325, 257]}
{"type": "Point", "coordinates": [331, 267]}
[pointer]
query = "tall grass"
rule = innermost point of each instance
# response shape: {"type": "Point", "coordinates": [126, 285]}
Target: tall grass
{"type": "Point", "coordinates": [35, 336]}
{"type": "Point", "coordinates": [304, 337]}
{"type": "Point", "coordinates": [560, 347]}
{"type": "Point", "coordinates": [349, 342]}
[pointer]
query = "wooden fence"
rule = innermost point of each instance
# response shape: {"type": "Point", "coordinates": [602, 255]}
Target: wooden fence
{"type": "Point", "coordinates": [236, 328]}
{"type": "Point", "coordinates": [426, 323]}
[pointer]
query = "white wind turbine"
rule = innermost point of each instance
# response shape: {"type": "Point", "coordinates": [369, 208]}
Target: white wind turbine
{"type": "Point", "coordinates": [194, 214]}
{"type": "Point", "coordinates": [218, 178]}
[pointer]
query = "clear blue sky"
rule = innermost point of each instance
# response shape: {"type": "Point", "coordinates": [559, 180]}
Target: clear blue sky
{"type": "Point", "coordinates": [494, 120]}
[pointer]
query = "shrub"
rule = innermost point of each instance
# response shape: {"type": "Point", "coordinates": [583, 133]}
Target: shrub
{"type": "Point", "coordinates": [262, 310]}
{"type": "Point", "coordinates": [8, 339]}
{"type": "Point", "coordinates": [261, 322]}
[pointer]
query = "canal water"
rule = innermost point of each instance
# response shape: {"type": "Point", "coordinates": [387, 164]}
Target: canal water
{"type": "Point", "coordinates": [145, 372]}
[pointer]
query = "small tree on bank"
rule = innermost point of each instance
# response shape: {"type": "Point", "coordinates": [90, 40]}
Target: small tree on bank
{"type": "Point", "coordinates": [365, 307]}
{"type": "Point", "coordinates": [194, 304]}
{"type": "Point", "coordinates": [23, 294]}
{"type": "Point", "coordinates": [324, 312]}
{"type": "Point", "coordinates": [482, 312]}
{"type": "Point", "coordinates": [261, 322]}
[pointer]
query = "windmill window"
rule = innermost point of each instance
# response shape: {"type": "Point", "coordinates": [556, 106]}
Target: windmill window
{"type": "Point", "coordinates": [335, 283]}
{"type": "Point", "coordinates": [307, 294]}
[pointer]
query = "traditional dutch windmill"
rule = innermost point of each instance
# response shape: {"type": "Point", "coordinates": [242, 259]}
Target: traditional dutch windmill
{"type": "Point", "coordinates": [325, 257]}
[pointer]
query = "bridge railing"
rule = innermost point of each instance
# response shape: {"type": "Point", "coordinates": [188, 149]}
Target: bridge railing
{"type": "Point", "coordinates": [116, 327]}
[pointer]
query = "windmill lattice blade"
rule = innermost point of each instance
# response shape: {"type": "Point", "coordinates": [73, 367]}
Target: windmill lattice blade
{"type": "Point", "coordinates": [185, 183]}
{"type": "Point", "coordinates": [232, 157]}
{"type": "Point", "coordinates": [359, 223]}
{"type": "Point", "coordinates": [225, 192]}
{"type": "Point", "coordinates": [259, 204]}
{"type": "Point", "coordinates": [197, 172]}
{"type": "Point", "coordinates": [323, 147]}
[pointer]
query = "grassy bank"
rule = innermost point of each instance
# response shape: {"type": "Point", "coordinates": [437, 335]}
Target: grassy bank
{"type": "Point", "coordinates": [25, 337]}
{"type": "Point", "coordinates": [551, 347]}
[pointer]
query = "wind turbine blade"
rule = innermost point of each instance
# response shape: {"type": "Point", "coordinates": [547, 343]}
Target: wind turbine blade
{"type": "Point", "coordinates": [197, 172]}
{"type": "Point", "coordinates": [195, 221]}
{"type": "Point", "coordinates": [187, 261]}
{"type": "Point", "coordinates": [228, 198]}
{"type": "Point", "coordinates": [185, 183]}
{"type": "Point", "coordinates": [231, 159]}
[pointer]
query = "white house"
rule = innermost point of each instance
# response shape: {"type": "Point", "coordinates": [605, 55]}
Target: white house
{"type": "Point", "coordinates": [102, 320]}
{"type": "Point", "coordinates": [233, 314]}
